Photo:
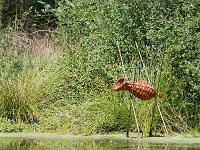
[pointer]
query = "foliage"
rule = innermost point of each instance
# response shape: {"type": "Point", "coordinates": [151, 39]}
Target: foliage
{"type": "Point", "coordinates": [7, 126]}
{"type": "Point", "coordinates": [0, 15]}
{"type": "Point", "coordinates": [70, 91]}
{"type": "Point", "coordinates": [20, 94]}
{"type": "Point", "coordinates": [34, 11]}
{"type": "Point", "coordinates": [97, 31]}
{"type": "Point", "coordinates": [25, 80]}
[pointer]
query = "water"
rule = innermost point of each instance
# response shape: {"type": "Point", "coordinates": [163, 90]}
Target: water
{"type": "Point", "coordinates": [63, 142]}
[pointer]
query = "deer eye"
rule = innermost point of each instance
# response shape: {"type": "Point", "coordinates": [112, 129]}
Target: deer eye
{"type": "Point", "coordinates": [124, 83]}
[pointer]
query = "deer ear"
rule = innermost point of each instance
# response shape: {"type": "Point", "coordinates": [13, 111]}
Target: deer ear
{"type": "Point", "coordinates": [119, 84]}
{"type": "Point", "coordinates": [123, 79]}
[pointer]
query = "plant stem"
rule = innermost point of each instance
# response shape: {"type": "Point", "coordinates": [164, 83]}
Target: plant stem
{"type": "Point", "coordinates": [156, 103]}
{"type": "Point", "coordinates": [132, 104]}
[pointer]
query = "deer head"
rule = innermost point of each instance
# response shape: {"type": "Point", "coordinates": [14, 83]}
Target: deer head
{"type": "Point", "coordinates": [122, 84]}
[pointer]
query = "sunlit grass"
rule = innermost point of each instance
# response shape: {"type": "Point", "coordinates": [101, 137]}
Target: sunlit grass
{"type": "Point", "coordinates": [62, 82]}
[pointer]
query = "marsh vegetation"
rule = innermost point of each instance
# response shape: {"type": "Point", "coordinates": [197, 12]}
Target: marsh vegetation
{"type": "Point", "coordinates": [59, 60]}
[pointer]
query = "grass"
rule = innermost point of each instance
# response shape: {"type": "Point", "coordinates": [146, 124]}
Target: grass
{"type": "Point", "coordinates": [51, 92]}
{"type": "Point", "coordinates": [27, 78]}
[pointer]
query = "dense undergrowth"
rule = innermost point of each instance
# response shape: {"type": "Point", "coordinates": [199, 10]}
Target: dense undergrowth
{"type": "Point", "coordinates": [62, 82]}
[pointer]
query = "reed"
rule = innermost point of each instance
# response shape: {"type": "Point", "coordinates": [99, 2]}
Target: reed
{"type": "Point", "coordinates": [26, 75]}
{"type": "Point", "coordinates": [63, 82]}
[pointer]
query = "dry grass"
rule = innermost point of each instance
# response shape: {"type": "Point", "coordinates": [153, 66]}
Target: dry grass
{"type": "Point", "coordinates": [28, 73]}
{"type": "Point", "coordinates": [35, 48]}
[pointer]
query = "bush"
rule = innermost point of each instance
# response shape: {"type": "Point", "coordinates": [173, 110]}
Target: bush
{"type": "Point", "coordinates": [7, 126]}
{"type": "Point", "coordinates": [157, 40]}
{"type": "Point", "coordinates": [95, 32]}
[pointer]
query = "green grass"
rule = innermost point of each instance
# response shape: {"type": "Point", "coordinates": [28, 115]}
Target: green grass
{"type": "Point", "coordinates": [62, 83]}
{"type": "Point", "coordinates": [57, 94]}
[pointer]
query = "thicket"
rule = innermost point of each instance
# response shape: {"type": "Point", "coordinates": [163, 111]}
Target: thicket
{"type": "Point", "coordinates": [63, 82]}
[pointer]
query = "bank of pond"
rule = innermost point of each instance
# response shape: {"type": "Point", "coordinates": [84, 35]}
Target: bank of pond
{"type": "Point", "coordinates": [48, 141]}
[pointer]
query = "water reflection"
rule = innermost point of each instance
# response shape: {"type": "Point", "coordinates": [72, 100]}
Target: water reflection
{"type": "Point", "coordinates": [89, 144]}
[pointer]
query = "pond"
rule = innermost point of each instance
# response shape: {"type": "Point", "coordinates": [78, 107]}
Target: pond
{"type": "Point", "coordinates": [40, 141]}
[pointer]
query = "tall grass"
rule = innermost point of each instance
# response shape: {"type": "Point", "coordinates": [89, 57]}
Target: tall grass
{"type": "Point", "coordinates": [28, 74]}
{"type": "Point", "coordinates": [96, 31]}
{"type": "Point", "coordinates": [63, 83]}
